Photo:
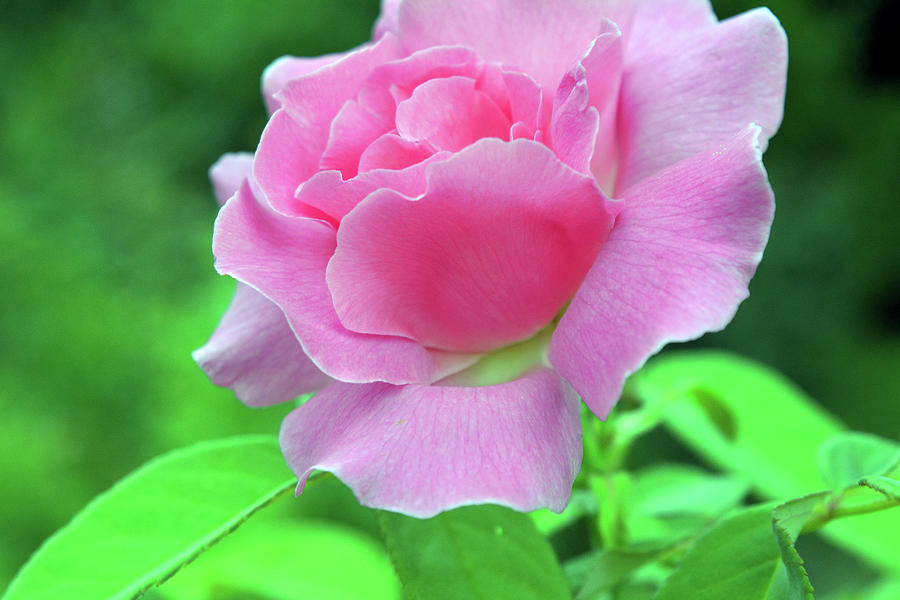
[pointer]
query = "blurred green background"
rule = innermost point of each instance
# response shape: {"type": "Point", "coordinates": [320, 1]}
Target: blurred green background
{"type": "Point", "coordinates": [111, 113]}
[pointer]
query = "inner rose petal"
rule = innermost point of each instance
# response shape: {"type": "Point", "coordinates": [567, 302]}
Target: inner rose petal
{"type": "Point", "coordinates": [476, 262]}
{"type": "Point", "coordinates": [353, 129]}
{"type": "Point", "coordinates": [450, 114]}
{"type": "Point", "coordinates": [391, 151]}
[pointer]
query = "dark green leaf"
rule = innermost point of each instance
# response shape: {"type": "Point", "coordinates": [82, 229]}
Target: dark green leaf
{"type": "Point", "coordinates": [608, 569]}
{"type": "Point", "coordinates": [738, 559]}
{"type": "Point", "coordinates": [154, 521]}
{"type": "Point", "coordinates": [788, 520]}
{"type": "Point", "coordinates": [846, 458]}
{"type": "Point", "coordinates": [475, 552]}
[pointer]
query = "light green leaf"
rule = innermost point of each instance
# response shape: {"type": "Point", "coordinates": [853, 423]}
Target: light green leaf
{"type": "Point", "coordinates": [479, 552]}
{"type": "Point", "coordinates": [771, 436]}
{"type": "Point", "coordinates": [885, 590]}
{"type": "Point", "coordinates": [886, 485]}
{"type": "Point", "coordinates": [155, 520]}
{"type": "Point", "coordinates": [773, 429]}
{"type": "Point", "coordinates": [738, 559]}
{"type": "Point", "coordinates": [581, 504]}
{"type": "Point", "coordinates": [669, 489]}
{"type": "Point", "coordinates": [846, 458]}
{"type": "Point", "coordinates": [282, 559]}
{"type": "Point", "coordinates": [669, 503]}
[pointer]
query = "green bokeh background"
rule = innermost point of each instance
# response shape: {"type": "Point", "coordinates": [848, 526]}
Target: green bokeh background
{"type": "Point", "coordinates": [111, 113]}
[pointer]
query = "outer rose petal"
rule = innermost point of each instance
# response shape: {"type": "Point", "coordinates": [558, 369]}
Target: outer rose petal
{"type": "Point", "coordinates": [254, 352]}
{"type": "Point", "coordinates": [533, 36]}
{"type": "Point", "coordinates": [675, 104]}
{"type": "Point", "coordinates": [676, 265]}
{"type": "Point", "coordinates": [421, 450]}
{"type": "Point", "coordinates": [228, 173]}
{"type": "Point", "coordinates": [387, 21]}
{"type": "Point", "coordinates": [486, 256]}
{"type": "Point", "coordinates": [285, 258]}
{"type": "Point", "coordinates": [659, 26]}
{"type": "Point", "coordinates": [286, 68]}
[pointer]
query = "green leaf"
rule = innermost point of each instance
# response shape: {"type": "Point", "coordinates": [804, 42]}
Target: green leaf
{"type": "Point", "coordinates": [885, 590]}
{"type": "Point", "coordinates": [606, 570]}
{"type": "Point", "coordinates": [479, 552]}
{"type": "Point", "coordinates": [282, 559]}
{"type": "Point", "coordinates": [155, 520]}
{"type": "Point", "coordinates": [738, 559]}
{"type": "Point", "coordinates": [887, 486]}
{"type": "Point", "coordinates": [581, 504]}
{"type": "Point", "coordinates": [772, 432]}
{"type": "Point", "coordinates": [846, 458]}
{"type": "Point", "coordinates": [669, 503]}
{"type": "Point", "coordinates": [771, 436]}
{"type": "Point", "coordinates": [788, 520]}
{"type": "Point", "coordinates": [670, 489]}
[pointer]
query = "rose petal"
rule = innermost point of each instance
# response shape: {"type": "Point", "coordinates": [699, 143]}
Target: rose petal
{"type": "Point", "coordinates": [574, 129]}
{"type": "Point", "coordinates": [284, 258]}
{"type": "Point", "coordinates": [394, 81]}
{"type": "Point", "coordinates": [675, 104]}
{"type": "Point", "coordinates": [525, 100]}
{"type": "Point", "coordinates": [254, 352]}
{"type": "Point", "coordinates": [659, 27]}
{"type": "Point", "coordinates": [421, 450]}
{"type": "Point", "coordinates": [487, 256]}
{"type": "Point", "coordinates": [228, 172]}
{"type": "Point", "coordinates": [352, 131]}
{"type": "Point", "coordinates": [520, 131]}
{"type": "Point", "coordinates": [283, 161]}
{"type": "Point", "coordinates": [450, 114]}
{"type": "Point", "coordinates": [676, 265]}
{"type": "Point", "coordinates": [546, 38]}
{"type": "Point", "coordinates": [329, 193]}
{"type": "Point", "coordinates": [296, 135]}
{"type": "Point", "coordinates": [287, 68]}
{"type": "Point", "coordinates": [387, 20]}
{"type": "Point", "coordinates": [391, 151]}
{"type": "Point", "coordinates": [600, 69]}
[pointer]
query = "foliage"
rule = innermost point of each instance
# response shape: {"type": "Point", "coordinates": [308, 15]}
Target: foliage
{"type": "Point", "coordinates": [665, 531]}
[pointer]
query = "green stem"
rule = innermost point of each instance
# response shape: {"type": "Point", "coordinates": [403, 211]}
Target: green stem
{"type": "Point", "coordinates": [848, 511]}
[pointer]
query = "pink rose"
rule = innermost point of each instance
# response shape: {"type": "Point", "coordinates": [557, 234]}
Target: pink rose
{"type": "Point", "coordinates": [426, 233]}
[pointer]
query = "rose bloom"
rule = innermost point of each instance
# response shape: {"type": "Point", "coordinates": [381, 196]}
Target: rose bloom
{"type": "Point", "coordinates": [495, 208]}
